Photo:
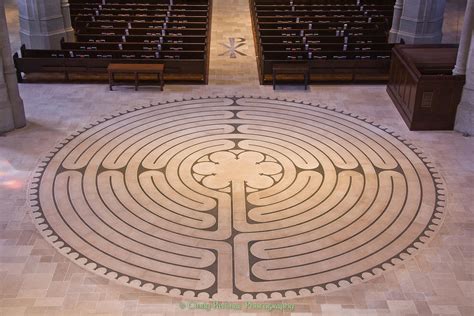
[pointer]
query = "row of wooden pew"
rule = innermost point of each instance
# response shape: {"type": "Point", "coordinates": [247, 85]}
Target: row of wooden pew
{"type": "Point", "coordinates": [175, 33]}
{"type": "Point", "coordinates": [338, 40]}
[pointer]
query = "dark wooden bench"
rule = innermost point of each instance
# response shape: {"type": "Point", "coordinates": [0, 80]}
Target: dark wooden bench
{"type": "Point", "coordinates": [136, 70]}
{"type": "Point", "coordinates": [340, 40]}
{"type": "Point", "coordinates": [176, 69]}
{"type": "Point", "coordinates": [175, 34]}
{"type": "Point", "coordinates": [291, 69]}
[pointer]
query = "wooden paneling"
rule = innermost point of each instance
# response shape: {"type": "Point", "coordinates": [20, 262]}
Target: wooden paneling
{"type": "Point", "coordinates": [422, 87]}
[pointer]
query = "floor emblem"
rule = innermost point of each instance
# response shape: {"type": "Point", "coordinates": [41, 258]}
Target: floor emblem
{"type": "Point", "coordinates": [232, 47]}
{"type": "Point", "coordinates": [236, 199]}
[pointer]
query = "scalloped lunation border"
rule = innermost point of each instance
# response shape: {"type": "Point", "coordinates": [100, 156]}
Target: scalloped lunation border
{"type": "Point", "coordinates": [56, 241]}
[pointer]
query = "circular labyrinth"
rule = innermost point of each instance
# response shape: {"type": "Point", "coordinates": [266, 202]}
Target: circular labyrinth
{"type": "Point", "coordinates": [236, 198]}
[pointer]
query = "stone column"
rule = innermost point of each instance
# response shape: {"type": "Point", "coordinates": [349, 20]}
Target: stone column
{"type": "Point", "coordinates": [422, 21]}
{"type": "Point", "coordinates": [67, 21]}
{"type": "Point", "coordinates": [44, 22]}
{"type": "Point", "coordinates": [397, 14]}
{"type": "Point", "coordinates": [465, 63]}
{"type": "Point", "coordinates": [12, 114]}
{"type": "Point", "coordinates": [465, 41]}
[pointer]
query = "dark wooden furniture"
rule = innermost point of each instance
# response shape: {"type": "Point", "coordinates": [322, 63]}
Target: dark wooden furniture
{"type": "Point", "coordinates": [173, 33]}
{"type": "Point", "coordinates": [90, 62]}
{"type": "Point", "coordinates": [422, 86]}
{"type": "Point", "coordinates": [291, 69]}
{"type": "Point", "coordinates": [136, 70]}
{"type": "Point", "coordinates": [341, 40]}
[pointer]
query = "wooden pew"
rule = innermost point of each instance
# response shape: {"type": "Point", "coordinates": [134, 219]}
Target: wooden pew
{"type": "Point", "coordinates": [118, 31]}
{"type": "Point", "coordinates": [337, 38]}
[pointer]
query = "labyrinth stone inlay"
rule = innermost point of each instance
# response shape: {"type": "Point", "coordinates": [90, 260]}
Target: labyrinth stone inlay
{"type": "Point", "coordinates": [236, 198]}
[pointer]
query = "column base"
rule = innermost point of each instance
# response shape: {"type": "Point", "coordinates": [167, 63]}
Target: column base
{"type": "Point", "coordinates": [393, 37]}
{"type": "Point", "coordinates": [6, 120]}
{"type": "Point", "coordinates": [411, 38]}
{"type": "Point", "coordinates": [44, 41]}
{"type": "Point", "coordinates": [465, 114]}
{"type": "Point", "coordinates": [422, 21]}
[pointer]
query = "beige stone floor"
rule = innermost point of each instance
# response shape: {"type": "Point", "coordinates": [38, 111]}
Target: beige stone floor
{"type": "Point", "coordinates": [36, 280]}
{"type": "Point", "coordinates": [237, 199]}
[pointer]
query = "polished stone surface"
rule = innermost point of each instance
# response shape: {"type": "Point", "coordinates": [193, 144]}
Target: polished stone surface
{"type": "Point", "coordinates": [236, 198]}
{"type": "Point", "coordinates": [35, 279]}
{"type": "Point", "coordinates": [38, 280]}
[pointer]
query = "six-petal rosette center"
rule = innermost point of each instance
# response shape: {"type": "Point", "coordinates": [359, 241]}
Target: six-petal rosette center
{"type": "Point", "coordinates": [256, 170]}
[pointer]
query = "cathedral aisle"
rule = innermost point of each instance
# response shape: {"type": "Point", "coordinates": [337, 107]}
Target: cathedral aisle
{"type": "Point", "coordinates": [233, 59]}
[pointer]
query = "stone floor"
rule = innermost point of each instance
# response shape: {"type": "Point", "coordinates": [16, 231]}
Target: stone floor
{"type": "Point", "coordinates": [35, 279]}
{"type": "Point", "coordinates": [237, 199]}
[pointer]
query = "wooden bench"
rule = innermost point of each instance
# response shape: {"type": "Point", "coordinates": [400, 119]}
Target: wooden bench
{"type": "Point", "coordinates": [135, 69]}
{"type": "Point", "coordinates": [175, 34]}
{"type": "Point", "coordinates": [291, 69]}
{"type": "Point", "coordinates": [340, 33]}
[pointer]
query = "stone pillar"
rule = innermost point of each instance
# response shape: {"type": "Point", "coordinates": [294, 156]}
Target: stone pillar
{"type": "Point", "coordinates": [465, 63]}
{"type": "Point", "coordinates": [44, 22]}
{"type": "Point", "coordinates": [67, 21]}
{"type": "Point", "coordinates": [12, 114]}
{"type": "Point", "coordinates": [465, 42]}
{"type": "Point", "coordinates": [422, 21]}
{"type": "Point", "coordinates": [397, 14]}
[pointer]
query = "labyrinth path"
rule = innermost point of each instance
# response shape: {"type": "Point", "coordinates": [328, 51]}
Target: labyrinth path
{"type": "Point", "coordinates": [236, 199]}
